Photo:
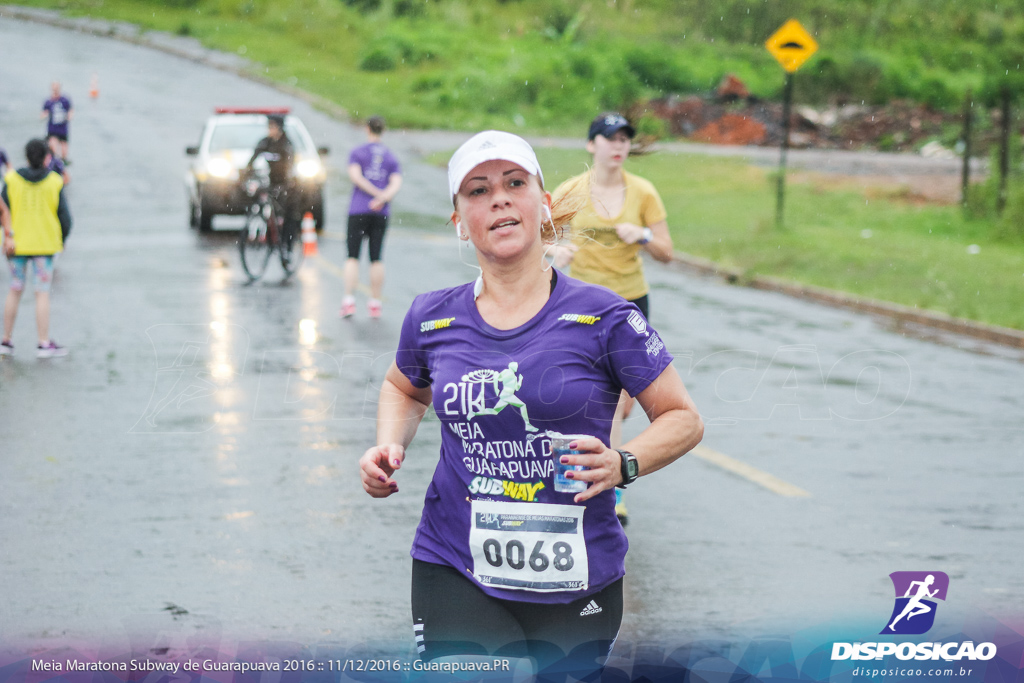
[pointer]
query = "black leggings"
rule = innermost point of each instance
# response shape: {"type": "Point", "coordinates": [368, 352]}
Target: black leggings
{"type": "Point", "coordinates": [371, 225]}
{"type": "Point", "coordinates": [452, 616]}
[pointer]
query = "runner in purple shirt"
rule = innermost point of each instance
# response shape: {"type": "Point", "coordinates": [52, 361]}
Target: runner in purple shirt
{"type": "Point", "coordinates": [502, 561]}
{"type": "Point", "coordinates": [58, 112]}
{"type": "Point", "coordinates": [376, 178]}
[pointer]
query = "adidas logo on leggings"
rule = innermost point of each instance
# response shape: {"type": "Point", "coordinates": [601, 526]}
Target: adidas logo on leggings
{"type": "Point", "coordinates": [592, 608]}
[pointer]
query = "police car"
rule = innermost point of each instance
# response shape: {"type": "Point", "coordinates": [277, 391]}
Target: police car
{"type": "Point", "coordinates": [226, 145]}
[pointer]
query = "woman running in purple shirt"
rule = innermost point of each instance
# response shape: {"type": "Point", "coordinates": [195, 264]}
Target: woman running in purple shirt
{"type": "Point", "coordinates": [58, 112]}
{"type": "Point", "coordinates": [503, 563]}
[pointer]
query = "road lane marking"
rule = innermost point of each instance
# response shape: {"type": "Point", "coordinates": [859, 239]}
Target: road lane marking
{"type": "Point", "coordinates": [770, 482]}
{"type": "Point", "coordinates": [339, 272]}
{"type": "Point", "coordinates": [321, 260]}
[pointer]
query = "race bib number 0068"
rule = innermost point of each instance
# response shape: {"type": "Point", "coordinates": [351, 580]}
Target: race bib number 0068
{"type": "Point", "coordinates": [529, 546]}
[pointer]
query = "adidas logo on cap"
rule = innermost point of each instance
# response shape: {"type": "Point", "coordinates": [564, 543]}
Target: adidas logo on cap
{"type": "Point", "coordinates": [592, 608]}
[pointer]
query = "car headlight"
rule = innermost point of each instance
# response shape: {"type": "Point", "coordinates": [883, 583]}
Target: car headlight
{"type": "Point", "coordinates": [219, 168]}
{"type": "Point", "coordinates": [309, 168]}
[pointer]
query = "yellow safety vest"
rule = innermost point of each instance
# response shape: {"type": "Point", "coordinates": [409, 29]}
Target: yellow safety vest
{"type": "Point", "coordinates": [34, 214]}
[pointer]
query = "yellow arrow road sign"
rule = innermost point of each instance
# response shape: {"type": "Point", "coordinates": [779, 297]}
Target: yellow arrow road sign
{"type": "Point", "coordinates": [792, 45]}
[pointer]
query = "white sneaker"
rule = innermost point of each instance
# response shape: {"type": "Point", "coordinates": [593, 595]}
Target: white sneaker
{"type": "Point", "coordinates": [50, 349]}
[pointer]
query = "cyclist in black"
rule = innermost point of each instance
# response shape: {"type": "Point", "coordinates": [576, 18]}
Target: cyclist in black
{"type": "Point", "coordinates": [277, 149]}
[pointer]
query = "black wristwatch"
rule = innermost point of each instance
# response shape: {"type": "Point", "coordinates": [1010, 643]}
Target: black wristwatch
{"type": "Point", "coordinates": [630, 469]}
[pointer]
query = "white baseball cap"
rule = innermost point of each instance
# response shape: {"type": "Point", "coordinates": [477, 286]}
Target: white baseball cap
{"type": "Point", "coordinates": [488, 146]}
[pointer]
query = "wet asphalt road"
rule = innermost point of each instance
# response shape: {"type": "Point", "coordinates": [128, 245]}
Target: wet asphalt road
{"type": "Point", "coordinates": [190, 469]}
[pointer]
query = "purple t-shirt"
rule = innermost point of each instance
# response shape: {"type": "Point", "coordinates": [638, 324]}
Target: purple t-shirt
{"type": "Point", "coordinates": [377, 164]}
{"type": "Point", "coordinates": [57, 108]}
{"type": "Point", "coordinates": [491, 509]}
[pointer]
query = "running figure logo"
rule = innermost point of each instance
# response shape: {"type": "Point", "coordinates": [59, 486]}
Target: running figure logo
{"type": "Point", "coordinates": [510, 384]}
{"type": "Point", "coordinates": [914, 611]}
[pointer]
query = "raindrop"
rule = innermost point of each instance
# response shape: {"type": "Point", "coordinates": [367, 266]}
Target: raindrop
{"type": "Point", "coordinates": [866, 234]}
{"type": "Point", "coordinates": [973, 249]}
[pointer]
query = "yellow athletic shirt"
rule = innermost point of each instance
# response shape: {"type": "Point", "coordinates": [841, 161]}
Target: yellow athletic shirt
{"type": "Point", "coordinates": [603, 258]}
{"type": "Point", "coordinates": [34, 214]}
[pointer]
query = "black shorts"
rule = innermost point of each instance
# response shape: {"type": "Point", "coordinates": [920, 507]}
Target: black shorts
{"type": "Point", "coordinates": [63, 137]}
{"type": "Point", "coordinates": [641, 303]}
{"type": "Point", "coordinates": [371, 225]}
{"type": "Point", "coordinates": [452, 616]}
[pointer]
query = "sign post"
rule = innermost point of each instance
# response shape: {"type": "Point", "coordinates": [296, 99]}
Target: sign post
{"type": "Point", "coordinates": [791, 45]}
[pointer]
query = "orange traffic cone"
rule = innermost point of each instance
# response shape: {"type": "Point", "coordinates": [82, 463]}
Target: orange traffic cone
{"type": "Point", "coordinates": [308, 235]}
{"type": "Point", "coordinates": [94, 87]}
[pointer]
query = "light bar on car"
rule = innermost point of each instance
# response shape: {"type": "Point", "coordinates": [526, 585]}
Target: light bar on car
{"type": "Point", "coordinates": [252, 110]}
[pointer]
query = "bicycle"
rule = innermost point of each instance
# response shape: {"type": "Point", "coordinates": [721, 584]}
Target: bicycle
{"type": "Point", "coordinates": [263, 232]}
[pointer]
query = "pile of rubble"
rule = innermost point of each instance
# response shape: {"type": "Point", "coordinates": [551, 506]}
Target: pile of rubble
{"type": "Point", "coordinates": [731, 116]}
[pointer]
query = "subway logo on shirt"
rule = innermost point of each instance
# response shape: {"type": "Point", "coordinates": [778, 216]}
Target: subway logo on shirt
{"type": "Point", "coordinates": [439, 324]}
{"type": "Point", "coordinates": [580, 318]}
{"type": "Point", "coordinates": [525, 491]}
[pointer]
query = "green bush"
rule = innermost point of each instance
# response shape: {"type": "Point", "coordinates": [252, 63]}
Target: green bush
{"type": "Point", "coordinates": [651, 126]}
{"type": "Point", "coordinates": [379, 58]}
{"type": "Point", "coordinates": [936, 93]}
{"type": "Point", "coordinates": [655, 68]}
{"type": "Point", "coordinates": [364, 6]}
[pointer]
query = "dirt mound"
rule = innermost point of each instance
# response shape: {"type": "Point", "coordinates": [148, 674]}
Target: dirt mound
{"type": "Point", "coordinates": [731, 116]}
{"type": "Point", "coordinates": [732, 129]}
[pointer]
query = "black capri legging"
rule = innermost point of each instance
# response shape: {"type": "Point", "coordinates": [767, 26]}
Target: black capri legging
{"type": "Point", "coordinates": [452, 616]}
{"type": "Point", "coordinates": [371, 225]}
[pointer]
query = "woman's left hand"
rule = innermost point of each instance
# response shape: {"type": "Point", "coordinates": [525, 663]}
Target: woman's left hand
{"type": "Point", "coordinates": [604, 467]}
{"type": "Point", "coordinates": [629, 233]}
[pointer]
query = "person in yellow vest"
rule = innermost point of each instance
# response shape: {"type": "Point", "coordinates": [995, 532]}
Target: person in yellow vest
{"type": "Point", "coordinates": [623, 215]}
{"type": "Point", "coordinates": [39, 222]}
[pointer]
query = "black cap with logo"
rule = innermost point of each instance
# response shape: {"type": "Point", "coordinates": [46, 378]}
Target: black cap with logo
{"type": "Point", "coordinates": [609, 124]}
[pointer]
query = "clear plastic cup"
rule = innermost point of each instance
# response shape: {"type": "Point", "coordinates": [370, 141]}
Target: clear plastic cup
{"type": "Point", "coordinates": [559, 447]}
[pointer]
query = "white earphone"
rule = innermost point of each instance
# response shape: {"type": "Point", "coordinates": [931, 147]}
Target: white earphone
{"type": "Point", "coordinates": [458, 229]}
{"type": "Point", "coordinates": [547, 213]}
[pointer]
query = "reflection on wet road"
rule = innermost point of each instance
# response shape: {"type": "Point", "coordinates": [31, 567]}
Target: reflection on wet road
{"type": "Point", "coordinates": [191, 466]}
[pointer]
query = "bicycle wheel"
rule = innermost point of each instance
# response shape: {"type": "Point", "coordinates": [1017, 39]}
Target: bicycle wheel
{"type": "Point", "coordinates": [254, 242]}
{"type": "Point", "coordinates": [291, 249]}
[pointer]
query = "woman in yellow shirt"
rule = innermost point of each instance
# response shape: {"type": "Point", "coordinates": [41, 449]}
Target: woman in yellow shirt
{"type": "Point", "coordinates": [622, 216]}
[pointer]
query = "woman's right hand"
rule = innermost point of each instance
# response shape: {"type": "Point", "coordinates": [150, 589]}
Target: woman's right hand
{"type": "Point", "coordinates": [376, 467]}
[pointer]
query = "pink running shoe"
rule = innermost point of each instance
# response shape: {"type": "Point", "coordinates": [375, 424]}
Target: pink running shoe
{"type": "Point", "coordinates": [374, 307]}
{"type": "Point", "coordinates": [348, 308]}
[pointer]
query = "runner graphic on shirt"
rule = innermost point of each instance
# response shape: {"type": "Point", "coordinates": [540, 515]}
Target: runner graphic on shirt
{"type": "Point", "coordinates": [510, 384]}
